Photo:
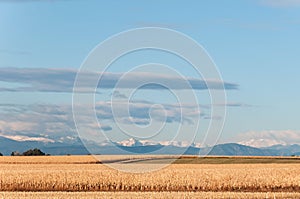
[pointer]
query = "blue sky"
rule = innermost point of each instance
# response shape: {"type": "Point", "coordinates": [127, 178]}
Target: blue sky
{"type": "Point", "coordinates": [255, 45]}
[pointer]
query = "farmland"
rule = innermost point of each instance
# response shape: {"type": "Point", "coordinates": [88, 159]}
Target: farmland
{"type": "Point", "coordinates": [189, 175]}
{"type": "Point", "coordinates": [143, 195]}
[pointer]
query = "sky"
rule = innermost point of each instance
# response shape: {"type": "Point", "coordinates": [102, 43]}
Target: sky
{"type": "Point", "coordinates": [254, 44]}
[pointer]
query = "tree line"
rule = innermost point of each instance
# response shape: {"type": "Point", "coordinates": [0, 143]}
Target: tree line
{"type": "Point", "coordinates": [30, 152]}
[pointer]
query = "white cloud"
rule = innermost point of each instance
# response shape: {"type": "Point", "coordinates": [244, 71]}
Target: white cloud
{"type": "Point", "coordinates": [262, 142]}
{"type": "Point", "coordinates": [140, 112]}
{"type": "Point", "coordinates": [269, 138]}
{"type": "Point", "coordinates": [57, 121]}
{"type": "Point", "coordinates": [26, 138]}
{"type": "Point", "coordinates": [134, 142]}
{"type": "Point", "coordinates": [16, 126]}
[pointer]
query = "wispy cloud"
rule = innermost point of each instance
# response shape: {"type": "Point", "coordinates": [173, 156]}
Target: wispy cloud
{"type": "Point", "coordinates": [14, 52]}
{"type": "Point", "coordinates": [261, 25]}
{"type": "Point", "coordinates": [236, 104]}
{"type": "Point", "coordinates": [118, 94]}
{"type": "Point", "coordinates": [62, 80]}
{"type": "Point", "coordinates": [281, 3]}
{"type": "Point", "coordinates": [159, 24]}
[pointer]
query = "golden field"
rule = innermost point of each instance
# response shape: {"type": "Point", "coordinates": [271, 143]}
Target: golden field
{"type": "Point", "coordinates": [59, 176]}
{"type": "Point", "coordinates": [143, 195]}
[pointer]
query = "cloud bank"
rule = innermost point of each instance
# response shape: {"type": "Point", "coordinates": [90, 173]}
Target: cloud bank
{"type": "Point", "coordinates": [62, 80]}
{"type": "Point", "coordinates": [269, 138]}
{"type": "Point", "coordinates": [56, 121]}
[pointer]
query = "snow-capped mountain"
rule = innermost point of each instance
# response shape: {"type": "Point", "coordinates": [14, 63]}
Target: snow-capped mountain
{"type": "Point", "coordinates": [130, 143]}
{"type": "Point", "coordinates": [180, 144]}
{"type": "Point", "coordinates": [134, 143]}
{"type": "Point", "coordinates": [262, 142]}
{"type": "Point", "coordinates": [74, 145]}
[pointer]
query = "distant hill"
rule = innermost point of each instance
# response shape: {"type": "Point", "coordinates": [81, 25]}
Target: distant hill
{"type": "Point", "coordinates": [133, 146]}
{"type": "Point", "coordinates": [285, 150]}
{"type": "Point", "coordinates": [297, 154]}
{"type": "Point", "coordinates": [234, 149]}
{"type": "Point", "coordinates": [7, 145]}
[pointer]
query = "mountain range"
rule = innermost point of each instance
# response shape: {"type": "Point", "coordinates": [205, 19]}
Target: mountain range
{"type": "Point", "coordinates": [133, 146]}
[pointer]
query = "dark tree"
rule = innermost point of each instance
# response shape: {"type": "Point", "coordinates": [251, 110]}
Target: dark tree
{"type": "Point", "coordinates": [34, 152]}
{"type": "Point", "coordinates": [1, 154]}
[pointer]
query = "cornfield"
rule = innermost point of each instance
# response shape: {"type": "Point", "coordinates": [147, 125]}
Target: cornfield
{"type": "Point", "coordinates": [82, 174]}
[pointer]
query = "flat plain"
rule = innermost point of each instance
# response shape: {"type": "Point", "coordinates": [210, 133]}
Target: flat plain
{"type": "Point", "coordinates": [187, 177]}
{"type": "Point", "coordinates": [143, 195]}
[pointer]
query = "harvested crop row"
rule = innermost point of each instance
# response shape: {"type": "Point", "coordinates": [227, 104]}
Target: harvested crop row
{"type": "Point", "coordinates": [142, 195]}
{"type": "Point", "coordinates": [96, 177]}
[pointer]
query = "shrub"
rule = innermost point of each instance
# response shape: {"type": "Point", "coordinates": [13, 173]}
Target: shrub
{"type": "Point", "coordinates": [34, 152]}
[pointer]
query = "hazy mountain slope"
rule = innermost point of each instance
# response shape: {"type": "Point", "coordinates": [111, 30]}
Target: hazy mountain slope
{"type": "Point", "coordinates": [233, 149]}
{"type": "Point", "coordinates": [133, 146]}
